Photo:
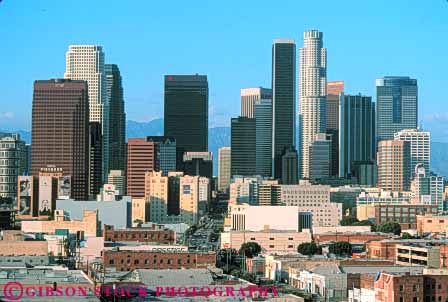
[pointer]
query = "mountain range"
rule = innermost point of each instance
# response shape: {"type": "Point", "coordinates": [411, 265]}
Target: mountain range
{"type": "Point", "coordinates": [220, 137]}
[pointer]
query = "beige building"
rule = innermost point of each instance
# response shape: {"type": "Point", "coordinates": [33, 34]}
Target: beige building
{"type": "Point", "coordinates": [13, 243]}
{"type": "Point", "coordinates": [314, 199]}
{"type": "Point", "coordinates": [194, 192]}
{"type": "Point", "coordinates": [139, 209]}
{"type": "Point", "coordinates": [269, 240]}
{"type": "Point", "coordinates": [432, 223]}
{"type": "Point", "coordinates": [224, 169]}
{"type": "Point", "coordinates": [393, 158]}
{"type": "Point", "coordinates": [156, 195]}
{"type": "Point", "coordinates": [89, 224]}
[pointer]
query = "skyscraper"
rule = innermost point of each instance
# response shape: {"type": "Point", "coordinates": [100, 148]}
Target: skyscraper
{"type": "Point", "coordinates": [60, 130]}
{"type": "Point", "coordinates": [117, 118]}
{"type": "Point", "coordinates": [248, 98]}
{"type": "Point", "coordinates": [96, 158]}
{"type": "Point", "coordinates": [396, 105]}
{"type": "Point", "coordinates": [393, 165]}
{"type": "Point", "coordinates": [165, 153]}
{"type": "Point", "coordinates": [141, 159]}
{"type": "Point", "coordinates": [420, 147]}
{"type": "Point", "coordinates": [12, 163]}
{"type": "Point", "coordinates": [224, 169]}
{"type": "Point", "coordinates": [186, 112]}
{"type": "Point", "coordinates": [320, 157]}
{"type": "Point", "coordinates": [356, 132]}
{"type": "Point", "coordinates": [290, 173]}
{"type": "Point", "coordinates": [334, 89]}
{"type": "Point", "coordinates": [283, 100]}
{"type": "Point", "coordinates": [243, 149]}
{"type": "Point", "coordinates": [313, 84]}
{"type": "Point", "coordinates": [86, 62]}
{"type": "Point", "coordinates": [263, 133]}
{"type": "Point", "coordinates": [198, 164]}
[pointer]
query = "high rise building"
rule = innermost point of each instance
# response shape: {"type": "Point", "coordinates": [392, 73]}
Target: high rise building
{"type": "Point", "coordinates": [198, 164]}
{"type": "Point", "coordinates": [142, 158]}
{"type": "Point", "coordinates": [186, 112]}
{"type": "Point", "coordinates": [393, 165]}
{"type": "Point", "coordinates": [118, 179]}
{"type": "Point", "coordinates": [263, 134]}
{"type": "Point", "coordinates": [12, 163]}
{"type": "Point", "coordinates": [320, 157]}
{"type": "Point", "coordinates": [224, 169]}
{"type": "Point", "coordinates": [396, 105]}
{"type": "Point", "coordinates": [96, 159]}
{"type": "Point", "coordinates": [313, 84]}
{"type": "Point", "coordinates": [117, 118]}
{"type": "Point", "coordinates": [60, 130]}
{"type": "Point", "coordinates": [356, 132]}
{"type": "Point", "coordinates": [427, 187]}
{"type": "Point", "coordinates": [249, 96]}
{"type": "Point", "coordinates": [334, 89]}
{"type": "Point", "coordinates": [420, 147]}
{"type": "Point", "coordinates": [86, 63]}
{"type": "Point", "coordinates": [283, 101]}
{"type": "Point", "coordinates": [243, 146]}
{"type": "Point", "coordinates": [166, 153]}
{"type": "Point", "coordinates": [290, 173]}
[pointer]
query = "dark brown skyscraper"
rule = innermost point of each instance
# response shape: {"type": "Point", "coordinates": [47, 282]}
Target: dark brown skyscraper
{"type": "Point", "coordinates": [60, 130]}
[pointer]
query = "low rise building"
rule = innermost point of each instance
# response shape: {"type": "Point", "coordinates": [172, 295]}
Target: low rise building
{"type": "Point", "coordinates": [269, 240]}
{"type": "Point", "coordinates": [351, 237]}
{"type": "Point", "coordinates": [405, 214]}
{"type": "Point", "coordinates": [155, 233]}
{"type": "Point", "coordinates": [325, 281]}
{"type": "Point", "coordinates": [418, 254]}
{"type": "Point", "coordinates": [88, 224]}
{"type": "Point", "coordinates": [432, 223]}
{"type": "Point", "coordinates": [127, 260]}
{"type": "Point", "coordinates": [244, 217]}
{"type": "Point", "coordinates": [342, 229]}
{"type": "Point", "coordinates": [74, 285]}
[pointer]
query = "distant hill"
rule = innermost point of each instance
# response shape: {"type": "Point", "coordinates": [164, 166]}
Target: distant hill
{"type": "Point", "coordinates": [220, 137]}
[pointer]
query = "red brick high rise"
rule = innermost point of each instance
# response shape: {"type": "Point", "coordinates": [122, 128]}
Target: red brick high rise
{"type": "Point", "coordinates": [141, 158]}
{"type": "Point", "coordinates": [60, 130]}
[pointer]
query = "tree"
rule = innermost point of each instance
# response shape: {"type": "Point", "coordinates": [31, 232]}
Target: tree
{"type": "Point", "coordinates": [250, 249]}
{"type": "Point", "coordinates": [389, 227]}
{"type": "Point", "coordinates": [363, 222]}
{"type": "Point", "coordinates": [341, 248]}
{"type": "Point", "coordinates": [309, 248]}
{"type": "Point", "coordinates": [406, 235]}
{"type": "Point", "coordinates": [348, 220]}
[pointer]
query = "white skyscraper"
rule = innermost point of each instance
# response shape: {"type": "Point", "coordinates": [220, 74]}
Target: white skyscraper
{"type": "Point", "coordinates": [86, 62]}
{"type": "Point", "coordinates": [420, 147]}
{"type": "Point", "coordinates": [224, 168]}
{"type": "Point", "coordinates": [312, 100]}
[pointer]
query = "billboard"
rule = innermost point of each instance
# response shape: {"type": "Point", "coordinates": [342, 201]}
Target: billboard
{"type": "Point", "coordinates": [64, 187]}
{"type": "Point", "coordinates": [25, 195]}
{"type": "Point", "coordinates": [45, 195]}
{"type": "Point", "coordinates": [25, 205]}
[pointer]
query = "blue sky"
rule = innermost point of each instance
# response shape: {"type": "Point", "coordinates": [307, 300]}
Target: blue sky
{"type": "Point", "coordinates": [230, 41]}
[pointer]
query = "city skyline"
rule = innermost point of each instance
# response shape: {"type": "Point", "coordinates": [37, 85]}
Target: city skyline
{"type": "Point", "coordinates": [144, 86]}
